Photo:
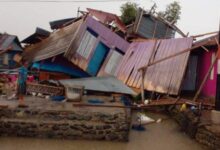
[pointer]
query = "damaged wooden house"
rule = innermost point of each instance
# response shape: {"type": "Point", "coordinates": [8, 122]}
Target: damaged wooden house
{"type": "Point", "coordinates": [47, 54]}
{"type": "Point", "coordinates": [173, 67]}
{"type": "Point", "coordinates": [9, 47]}
{"type": "Point", "coordinates": [96, 49]}
{"type": "Point", "coordinates": [78, 47]}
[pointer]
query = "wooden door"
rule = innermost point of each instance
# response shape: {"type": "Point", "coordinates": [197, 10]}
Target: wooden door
{"type": "Point", "coordinates": [97, 59]}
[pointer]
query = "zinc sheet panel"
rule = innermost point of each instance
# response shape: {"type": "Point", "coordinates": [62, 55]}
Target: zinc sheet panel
{"type": "Point", "coordinates": [163, 77]}
{"type": "Point", "coordinates": [55, 44]}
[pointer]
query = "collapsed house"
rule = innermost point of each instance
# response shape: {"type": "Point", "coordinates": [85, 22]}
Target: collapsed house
{"type": "Point", "coordinates": [88, 46]}
{"type": "Point", "coordinates": [9, 47]}
{"type": "Point", "coordinates": [91, 47]}
{"type": "Point", "coordinates": [47, 55]}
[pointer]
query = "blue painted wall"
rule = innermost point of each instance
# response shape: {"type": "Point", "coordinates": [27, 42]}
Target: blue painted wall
{"type": "Point", "coordinates": [97, 59]}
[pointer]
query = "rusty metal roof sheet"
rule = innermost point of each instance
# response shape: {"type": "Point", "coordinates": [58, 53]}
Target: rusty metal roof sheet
{"type": "Point", "coordinates": [164, 77]}
{"type": "Point", "coordinates": [55, 44]}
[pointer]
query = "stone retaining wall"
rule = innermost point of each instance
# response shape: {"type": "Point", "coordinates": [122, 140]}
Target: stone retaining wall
{"type": "Point", "coordinates": [207, 134]}
{"type": "Point", "coordinates": [80, 124]}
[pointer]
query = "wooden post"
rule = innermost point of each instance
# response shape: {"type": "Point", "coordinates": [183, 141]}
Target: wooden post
{"type": "Point", "coordinates": [143, 71]}
{"type": "Point", "coordinates": [207, 75]}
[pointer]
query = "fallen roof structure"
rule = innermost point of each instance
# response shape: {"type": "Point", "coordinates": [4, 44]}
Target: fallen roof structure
{"type": "Point", "coordinates": [55, 44]}
{"type": "Point", "coordinates": [164, 77]}
{"type": "Point", "coordinates": [102, 84]}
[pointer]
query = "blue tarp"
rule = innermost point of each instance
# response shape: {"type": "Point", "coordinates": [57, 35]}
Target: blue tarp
{"type": "Point", "coordinates": [54, 67]}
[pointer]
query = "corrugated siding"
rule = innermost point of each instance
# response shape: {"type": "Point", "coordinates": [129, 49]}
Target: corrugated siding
{"type": "Point", "coordinates": [164, 77]}
{"type": "Point", "coordinates": [153, 28]}
{"type": "Point", "coordinates": [161, 30]}
{"type": "Point", "coordinates": [146, 27]}
{"type": "Point", "coordinates": [189, 83]}
{"type": "Point", "coordinates": [86, 45]}
{"type": "Point", "coordinates": [113, 62]}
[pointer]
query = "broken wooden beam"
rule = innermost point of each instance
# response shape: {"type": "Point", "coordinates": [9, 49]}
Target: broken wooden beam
{"type": "Point", "coordinates": [200, 35]}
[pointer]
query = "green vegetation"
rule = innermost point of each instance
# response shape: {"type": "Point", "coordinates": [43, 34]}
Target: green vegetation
{"type": "Point", "coordinates": [129, 12]}
{"type": "Point", "coordinates": [172, 12]}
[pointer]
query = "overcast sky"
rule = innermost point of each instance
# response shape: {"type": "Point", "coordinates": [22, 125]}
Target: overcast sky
{"type": "Point", "coordinates": [21, 18]}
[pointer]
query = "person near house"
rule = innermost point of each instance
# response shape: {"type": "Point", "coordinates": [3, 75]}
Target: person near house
{"type": "Point", "coordinates": [22, 77]}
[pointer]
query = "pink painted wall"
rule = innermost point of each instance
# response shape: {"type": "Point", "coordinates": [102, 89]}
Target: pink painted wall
{"type": "Point", "coordinates": [209, 89]}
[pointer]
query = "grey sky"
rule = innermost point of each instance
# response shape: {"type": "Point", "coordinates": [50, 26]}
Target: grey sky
{"type": "Point", "coordinates": [21, 18]}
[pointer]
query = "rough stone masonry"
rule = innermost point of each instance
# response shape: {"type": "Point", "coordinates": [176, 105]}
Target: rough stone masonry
{"type": "Point", "coordinates": [74, 124]}
{"type": "Point", "coordinates": [199, 128]}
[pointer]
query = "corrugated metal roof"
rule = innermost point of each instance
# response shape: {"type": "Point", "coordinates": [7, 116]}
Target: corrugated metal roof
{"type": "Point", "coordinates": [164, 77]}
{"type": "Point", "coordinates": [7, 40]}
{"type": "Point", "coordinates": [103, 84]}
{"type": "Point", "coordinates": [55, 44]}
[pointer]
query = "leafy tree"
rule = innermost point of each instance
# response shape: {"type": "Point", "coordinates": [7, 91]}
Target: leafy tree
{"type": "Point", "coordinates": [129, 12]}
{"type": "Point", "coordinates": [172, 12]}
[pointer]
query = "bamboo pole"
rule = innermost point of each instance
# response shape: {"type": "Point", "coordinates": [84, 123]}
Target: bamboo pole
{"type": "Point", "coordinates": [196, 36]}
{"type": "Point", "coordinates": [142, 85]}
